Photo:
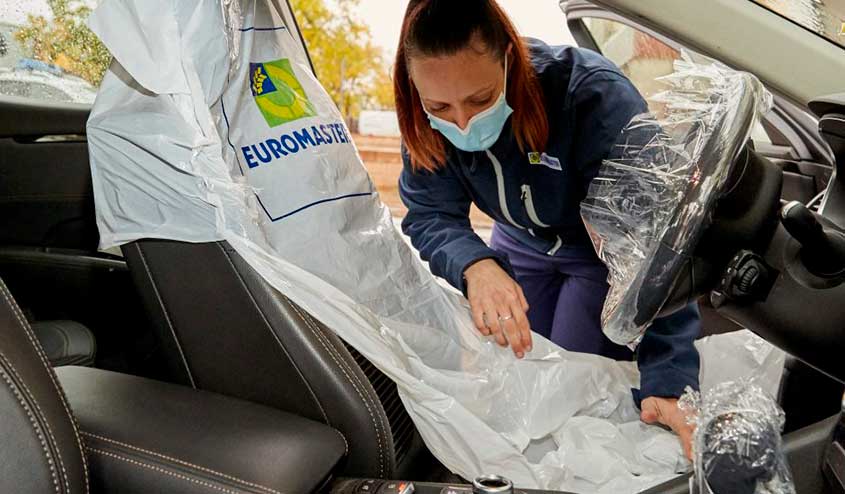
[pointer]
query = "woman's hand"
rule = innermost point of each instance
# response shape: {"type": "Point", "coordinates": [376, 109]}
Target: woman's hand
{"type": "Point", "coordinates": [498, 305]}
{"type": "Point", "coordinates": [665, 411]}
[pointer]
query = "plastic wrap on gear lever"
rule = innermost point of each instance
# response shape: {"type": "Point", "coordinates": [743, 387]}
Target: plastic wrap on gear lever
{"type": "Point", "coordinates": [653, 198]}
{"type": "Point", "coordinates": [737, 445]}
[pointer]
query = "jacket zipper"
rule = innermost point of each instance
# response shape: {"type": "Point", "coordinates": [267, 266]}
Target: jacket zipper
{"type": "Point", "coordinates": [555, 247]}
{"type": "Point", "coordinates": [528, 200]}
{"type": "Point", "coordinates": [529, 206]}
{"type": "Point", "coordinates": [500, 183]}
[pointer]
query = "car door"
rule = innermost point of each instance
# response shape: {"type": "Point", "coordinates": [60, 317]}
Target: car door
{"type": "Point", "coordinates": [787, 136]}
{"type": "Point", "coordinates": [48, 233]}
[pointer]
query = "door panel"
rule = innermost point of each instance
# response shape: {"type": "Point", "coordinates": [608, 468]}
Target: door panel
{"type": "Point", "coordinates": [48, 236]}
{"type": "Point", "coordinates": [48, 232]}
{"type": "Point", "coordinates": [48, 246]}
{"type": "Point", "coordinates": [46, 198]}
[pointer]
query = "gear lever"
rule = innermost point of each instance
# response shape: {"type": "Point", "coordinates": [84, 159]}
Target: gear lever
{"type": "Point", "coordinates": [822, 252]}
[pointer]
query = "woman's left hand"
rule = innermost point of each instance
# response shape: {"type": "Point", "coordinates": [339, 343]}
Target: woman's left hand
{"type": "Point", "coordinates": [665, 411]}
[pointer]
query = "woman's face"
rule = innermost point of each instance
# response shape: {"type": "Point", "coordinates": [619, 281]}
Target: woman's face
{"type": "Point", "coordinates": [457, 87]}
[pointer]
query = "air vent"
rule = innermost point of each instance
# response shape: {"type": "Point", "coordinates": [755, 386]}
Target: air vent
{"type": "Point", "coordinates": [401, 426]}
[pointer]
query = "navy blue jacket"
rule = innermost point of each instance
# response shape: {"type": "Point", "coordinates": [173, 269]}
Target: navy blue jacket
{"type": "Point", "coordinates": [589, 101]}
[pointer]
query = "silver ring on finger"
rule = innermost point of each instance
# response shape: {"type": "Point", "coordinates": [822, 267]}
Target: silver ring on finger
{"type": "Point", "coordinates": [505, 318]}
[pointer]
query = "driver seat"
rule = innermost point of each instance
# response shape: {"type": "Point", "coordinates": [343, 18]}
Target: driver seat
{"type": "Point", "coordinates": [224, 329]}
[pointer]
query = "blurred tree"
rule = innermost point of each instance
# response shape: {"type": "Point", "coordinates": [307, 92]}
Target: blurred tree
{"type": "Point", "coordinates": [66, 41]}
{"type": "Point", "coordinates": [382, 93]}
{"type": "Point", "coordinates": [351, 68]}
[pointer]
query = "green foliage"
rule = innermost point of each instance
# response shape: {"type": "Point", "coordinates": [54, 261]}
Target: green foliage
{"type": "Point", "coordinates": [66, 41]}
{"type": "Point", "coordinates": [353, 70]}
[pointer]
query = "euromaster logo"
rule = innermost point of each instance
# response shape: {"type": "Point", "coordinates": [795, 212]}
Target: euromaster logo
{"type": "Point", "coordinates": [278, 93]}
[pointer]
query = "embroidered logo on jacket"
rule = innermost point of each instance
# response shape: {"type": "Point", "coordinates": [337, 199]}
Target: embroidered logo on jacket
{"type": "Point", "coordinates": [545, 160]}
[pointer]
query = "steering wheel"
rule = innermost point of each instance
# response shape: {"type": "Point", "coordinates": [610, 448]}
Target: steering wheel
{"type": "Point", "coordinates": [650, 205]}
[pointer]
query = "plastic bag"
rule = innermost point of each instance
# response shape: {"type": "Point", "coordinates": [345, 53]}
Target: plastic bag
{"type": "Point", "coordinates": [188, 144]}
{"type": "Point", "coordinates": [737, 445]}
{"type": "Point", "coordinates": [653, 199]}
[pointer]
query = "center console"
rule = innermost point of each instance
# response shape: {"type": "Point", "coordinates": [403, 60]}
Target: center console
{"type": "Point", "coordinates": [816, 456]}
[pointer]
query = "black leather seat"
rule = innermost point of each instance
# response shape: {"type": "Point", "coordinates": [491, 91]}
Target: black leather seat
{"type": "Point", "coordinates": [141, 435]}
{"type": "Point", "coordinates": [146, 436]}
{"type": "Point", "coordinates": [226, 330]}
{"type": "Point", "coordinates": [41, 449]}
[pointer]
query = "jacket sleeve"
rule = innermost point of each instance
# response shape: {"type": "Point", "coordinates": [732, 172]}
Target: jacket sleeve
{"type": "Point", "coordinates": [604, 104]}
{"type": "Point", "coordinates": [438, 223]}
{"type": "Point", "coordinates": [667, 358]}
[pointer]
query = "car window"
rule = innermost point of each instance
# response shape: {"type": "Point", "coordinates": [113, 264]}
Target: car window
{"type": "Point", "coordinates": [47, 53]}
{"type": "Point", "coordinates": [823, 17]}
{"type": "Point", "coordinates": [34, 90]}
{"type": "Point", "coordinates": [644, 59]}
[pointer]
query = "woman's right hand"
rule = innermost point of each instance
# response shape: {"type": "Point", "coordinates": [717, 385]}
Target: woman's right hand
{"type": "Point", "coordinates": [498, 305]}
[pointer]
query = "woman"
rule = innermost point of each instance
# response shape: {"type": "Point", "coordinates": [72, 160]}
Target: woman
{"type": "Point", "coordinates": [519, 129]}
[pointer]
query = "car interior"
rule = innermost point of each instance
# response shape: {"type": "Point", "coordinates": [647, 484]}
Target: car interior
{"type": "Point", "coordinates": [174, 367]}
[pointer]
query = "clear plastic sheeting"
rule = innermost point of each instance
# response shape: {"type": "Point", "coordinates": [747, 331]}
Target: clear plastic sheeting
{"type": "Point", "coordinates": [211, 126]}
{"type": "Point", "coordinates": [737, 445]}
{"type": "Point", "coordinates": [650, 202]}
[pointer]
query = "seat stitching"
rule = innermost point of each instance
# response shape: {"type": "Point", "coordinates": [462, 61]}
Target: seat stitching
{"type": "Point", "coordinates": [166, 313]}
{"type": "Point", "coordinates": [35, 427]}
{"type": "Point", "coordinates": [181, 462]}
{"type": "Point", "coordinates": [163, 471]}
{"type": "Point", "coordinates": [43, 416]}
{"type": "Point", "coordinates": [345, 442]}
{"type": "Point", "coordinates": [274, 335]}
{"type": "Point", "coordinates": [309, 321]}
{"type": "Point", "coordinates": [342, 366]}
{"type": "Point", "coordinates": [40, 351]}
{"type": "Point", "coordinates": [309, 324]}
{"type": "Point", "coordinates": [375, 401]}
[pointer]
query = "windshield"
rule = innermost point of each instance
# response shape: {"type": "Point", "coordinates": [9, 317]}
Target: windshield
{"type": "Point", "coordinates": [823, 17]}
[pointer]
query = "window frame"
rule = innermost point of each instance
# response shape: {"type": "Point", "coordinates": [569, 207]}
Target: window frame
{"type": "Point", "coordinates": [802, 26]}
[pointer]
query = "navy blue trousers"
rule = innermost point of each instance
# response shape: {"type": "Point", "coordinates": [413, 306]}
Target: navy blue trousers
{"type": "Point", "coordinates": [565, 293]}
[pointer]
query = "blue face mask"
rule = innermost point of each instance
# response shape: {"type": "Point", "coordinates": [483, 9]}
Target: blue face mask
{"type": "Point", "coordinates": [483, 130]}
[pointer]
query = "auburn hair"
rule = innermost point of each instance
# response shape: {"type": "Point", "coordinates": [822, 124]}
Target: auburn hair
{"type": "Point", "coordinates": [445, 27]}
